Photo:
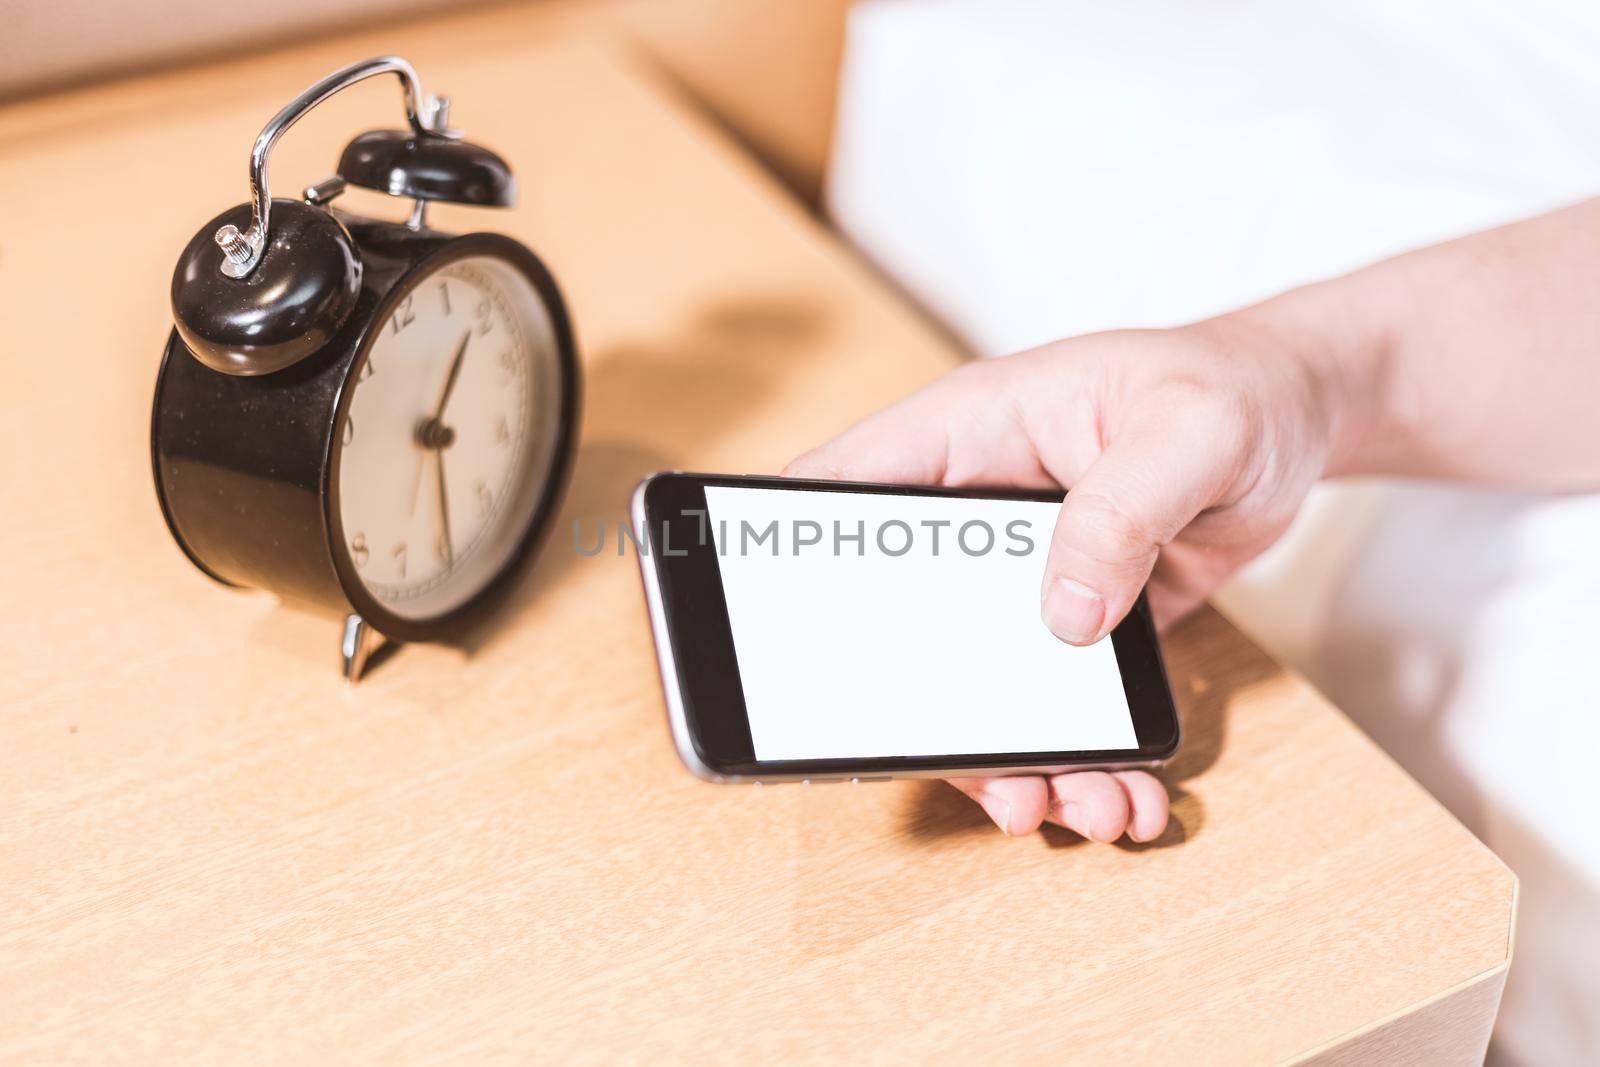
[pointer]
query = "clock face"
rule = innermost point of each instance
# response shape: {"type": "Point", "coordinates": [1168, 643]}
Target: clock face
{"type": "Point", "coordinates": [449, 438]}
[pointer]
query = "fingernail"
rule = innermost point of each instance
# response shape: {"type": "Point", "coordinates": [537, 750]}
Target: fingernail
{"type": "Point", "coordinates": [1073, 611]}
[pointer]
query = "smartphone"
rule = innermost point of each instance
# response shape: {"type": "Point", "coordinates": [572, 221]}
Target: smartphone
{"type": "Point", "coordinates": [843, 631]}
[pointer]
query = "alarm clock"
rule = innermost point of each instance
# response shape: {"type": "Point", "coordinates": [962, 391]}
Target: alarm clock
{"type": "Point", "coordinates": [366, 417]}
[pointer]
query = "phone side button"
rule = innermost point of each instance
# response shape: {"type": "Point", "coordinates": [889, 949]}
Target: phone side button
{"type": "Point", "coordinates": [820, 781]}
{"type": "Point", "coordinates": [875, 778]}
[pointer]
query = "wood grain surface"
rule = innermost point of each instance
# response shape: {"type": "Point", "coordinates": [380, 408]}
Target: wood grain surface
{"type": "Point", "coordinates": [212, 850]}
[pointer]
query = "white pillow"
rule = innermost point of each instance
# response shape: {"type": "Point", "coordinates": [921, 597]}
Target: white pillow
{"type": "Point", "coordinates": [1032, 171]}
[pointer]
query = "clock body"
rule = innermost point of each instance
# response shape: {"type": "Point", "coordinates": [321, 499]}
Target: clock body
{"type": "Point", "coordinates": [405, 470]}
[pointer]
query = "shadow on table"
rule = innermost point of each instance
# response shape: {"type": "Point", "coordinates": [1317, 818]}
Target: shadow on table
{"type": "Point", "coordinates": [1209, 664]}
{"type": "Point", "coordinates": [645, 403]}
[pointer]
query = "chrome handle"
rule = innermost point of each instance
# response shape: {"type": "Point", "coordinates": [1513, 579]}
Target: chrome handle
{"type": "Point", "coordinates": [241, 249]}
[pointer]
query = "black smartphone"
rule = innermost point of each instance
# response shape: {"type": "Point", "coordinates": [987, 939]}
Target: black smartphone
{"type": "Point", "coordinates": [846, 631]}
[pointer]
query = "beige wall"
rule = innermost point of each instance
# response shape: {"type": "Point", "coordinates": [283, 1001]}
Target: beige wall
{"type": "Point", "coordinates": [767, 68]}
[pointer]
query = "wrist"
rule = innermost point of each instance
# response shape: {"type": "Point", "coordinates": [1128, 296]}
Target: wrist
{"type": "Point", "coordinates": [1336, 335]}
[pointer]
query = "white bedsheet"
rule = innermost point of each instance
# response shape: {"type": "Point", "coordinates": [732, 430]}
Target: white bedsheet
{"type": "Point", "coordinates": [1036, 170]}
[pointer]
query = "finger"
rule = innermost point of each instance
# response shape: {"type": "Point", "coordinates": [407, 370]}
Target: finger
{"type": "Point", "coordinates": [960, 430]}
{"type": "Point", "coordinates": [1149, 483]}
{"type": "Point", "coordinates": [1089, 802]}
{"type": "Point", "coordinates": [1017, 805]}
{"type": "Point", "coordinates": [1147, 804]}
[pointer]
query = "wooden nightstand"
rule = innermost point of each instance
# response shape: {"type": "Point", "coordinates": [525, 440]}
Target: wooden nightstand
{"type": "Point", "coordinates": [213, 850]}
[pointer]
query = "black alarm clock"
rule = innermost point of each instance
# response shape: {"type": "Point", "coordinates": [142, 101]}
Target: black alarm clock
{"type": "Point", "coordinates": [367, 417]}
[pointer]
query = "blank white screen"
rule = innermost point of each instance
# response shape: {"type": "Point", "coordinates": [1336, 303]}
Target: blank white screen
{"type": "Point", "coordinates": [859, 653]}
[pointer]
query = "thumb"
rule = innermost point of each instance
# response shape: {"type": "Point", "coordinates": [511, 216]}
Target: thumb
{"type": "Point", "coordinates": [1147, 485]}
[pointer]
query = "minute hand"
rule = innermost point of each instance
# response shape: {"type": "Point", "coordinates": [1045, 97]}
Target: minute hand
{"type": "Point", "coordinates": [438, 421]}
{"type": "Point", "coordinates": [455, 371]}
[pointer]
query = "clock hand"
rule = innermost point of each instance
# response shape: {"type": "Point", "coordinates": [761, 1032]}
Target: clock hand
{"type": "Point", "coordinates": [455, 370]}
{"type": "Point", "coordinates": [432, 434]}
{"type": "Point", "coordinates": [416, 487]}
{"type": "Point", "coordinates": [444, 514]}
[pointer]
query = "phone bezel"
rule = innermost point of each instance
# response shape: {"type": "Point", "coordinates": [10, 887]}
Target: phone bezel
{"type": "Point", "coordinates": [699, 664]}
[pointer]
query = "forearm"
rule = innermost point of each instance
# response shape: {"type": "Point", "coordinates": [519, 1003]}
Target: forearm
{"type": "Point", "coordinates": [1478, 359]}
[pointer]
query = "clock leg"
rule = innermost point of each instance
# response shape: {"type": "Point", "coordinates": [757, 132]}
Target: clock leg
{"type": "Point", "coordinates": [356, 646]}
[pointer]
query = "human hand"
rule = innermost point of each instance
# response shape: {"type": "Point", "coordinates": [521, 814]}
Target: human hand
{"type": "Point", "coordinates": [1187, 452]}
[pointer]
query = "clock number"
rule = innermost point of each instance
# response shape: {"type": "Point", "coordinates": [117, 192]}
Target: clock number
{"type": "Point", "coordinates": [349, 433]}
{"type": "Point", "coordinates": [444, 549]}
{"type": "Point", "coordinates": [368, 369]}
{"type": "Point", "coordinates": [359, 551]}
{"type": "Point", "coordinates": [511, 363]}
{"type": "Point", "coordinates": [444, 295]}
{"type": "Point", "coordinates": [502, 431]}
{"type": "Point", "coordinates": [485, 498]}
{"type": "Point", "coordinates": [485, 323]}
{"type": "Point", "coordinates": [400, 558]}
{"type": "Point", "coordinates": [404, 315]}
